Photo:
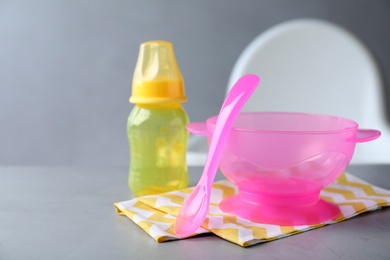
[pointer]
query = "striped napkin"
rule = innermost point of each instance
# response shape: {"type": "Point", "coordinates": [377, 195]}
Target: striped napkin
{"type": "Point", "coordinates": [156, 214]}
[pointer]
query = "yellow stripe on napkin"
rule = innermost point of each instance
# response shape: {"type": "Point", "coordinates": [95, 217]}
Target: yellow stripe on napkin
{"type": "Point", "coordinates": [156, 214]}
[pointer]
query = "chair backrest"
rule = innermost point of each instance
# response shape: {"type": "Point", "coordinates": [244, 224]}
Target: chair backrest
{"type": "Point", "coordinates": [314, 66]}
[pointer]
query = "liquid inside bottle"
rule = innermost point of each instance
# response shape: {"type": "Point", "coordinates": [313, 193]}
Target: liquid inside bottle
{"type": "Point", "coordinates": [158, 140]}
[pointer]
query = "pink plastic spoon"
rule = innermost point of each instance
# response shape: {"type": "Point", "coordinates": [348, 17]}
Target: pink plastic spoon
{"type": "Point", "coordinates": [195, 208]}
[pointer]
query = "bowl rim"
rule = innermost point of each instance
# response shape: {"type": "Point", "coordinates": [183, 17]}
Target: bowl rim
{"type": "Point", "coordinates": [211, 121]}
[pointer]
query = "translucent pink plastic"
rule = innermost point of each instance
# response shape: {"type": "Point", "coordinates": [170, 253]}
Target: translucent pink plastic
{"type": "Point", "coordinates": [281, 161]}
{"type": "Point", "coordinates": [196, 207]}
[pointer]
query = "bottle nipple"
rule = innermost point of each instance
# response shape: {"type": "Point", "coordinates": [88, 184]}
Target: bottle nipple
{"type": "Point", "coordinates": [157, 78]}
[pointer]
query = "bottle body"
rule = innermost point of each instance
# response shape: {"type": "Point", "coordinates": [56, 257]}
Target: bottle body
{"type": "Point", "coordinates": [157, 137]}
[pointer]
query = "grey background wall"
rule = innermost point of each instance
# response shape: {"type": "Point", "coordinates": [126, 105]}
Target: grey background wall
{"type": "Point", "coordinates": [66, 66]}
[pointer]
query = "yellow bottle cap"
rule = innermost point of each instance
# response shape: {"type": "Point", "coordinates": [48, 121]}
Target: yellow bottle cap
{"type": "Point", "coordinates": [157, 78]}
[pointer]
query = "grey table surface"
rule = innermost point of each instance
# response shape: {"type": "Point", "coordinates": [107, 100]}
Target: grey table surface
{"type": "Point", "coordinates": [67, 213]}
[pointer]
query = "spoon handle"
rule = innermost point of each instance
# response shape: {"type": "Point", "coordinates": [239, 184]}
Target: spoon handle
{"type": "Point", "coordinates": [195, 208]}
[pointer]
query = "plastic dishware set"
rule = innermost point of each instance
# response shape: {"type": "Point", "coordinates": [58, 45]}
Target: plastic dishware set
{"type": "Point", "coordinates": [280, 162]}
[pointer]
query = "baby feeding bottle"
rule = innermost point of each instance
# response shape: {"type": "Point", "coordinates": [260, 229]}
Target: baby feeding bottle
{"type": "Point", "coordinates": [156, 126]}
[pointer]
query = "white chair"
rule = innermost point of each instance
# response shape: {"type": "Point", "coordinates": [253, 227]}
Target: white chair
{"type": "Point", "coordinates": [314, 66]}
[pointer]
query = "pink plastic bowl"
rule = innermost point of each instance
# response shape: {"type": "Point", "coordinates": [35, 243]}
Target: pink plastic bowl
{"type": "Point", "coordinates": [280, 161]}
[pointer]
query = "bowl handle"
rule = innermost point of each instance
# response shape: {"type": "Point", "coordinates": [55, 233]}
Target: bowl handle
{"type": "Point", "coordinates": [198, 128]}
{"type": "Point", "coordinates": [365, 135]}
